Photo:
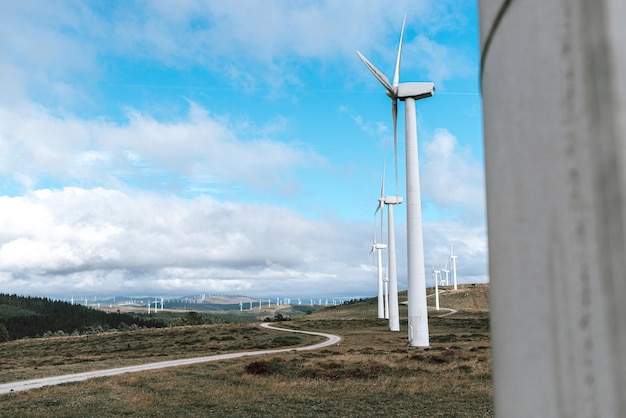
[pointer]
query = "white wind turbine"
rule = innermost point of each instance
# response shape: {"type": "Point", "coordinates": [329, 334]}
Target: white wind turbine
{"type": "Point", "coordinates": [445, 270]}
{"type": "Point", "coordinates": [436, 278]}
{"type": "Point", "coordinates": [409, 93]}
{"type": "Point", "coordinates": [453, 259]}
{"type": "Point", "coordinates": [378, 247]}
{"type": "Point", "coordinates": [393, 311]}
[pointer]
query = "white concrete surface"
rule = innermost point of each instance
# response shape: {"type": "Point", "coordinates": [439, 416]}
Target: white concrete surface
{"type": "Point", "coordinates": [554, 90]}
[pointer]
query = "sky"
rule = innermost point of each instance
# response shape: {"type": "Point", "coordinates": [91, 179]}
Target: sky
{"type": "Point", "coordinates": [211, 147]}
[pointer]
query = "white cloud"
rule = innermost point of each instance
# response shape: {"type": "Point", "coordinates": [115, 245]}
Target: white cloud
{"type": "Point", "coordinates": [106, 241]}
{"type": "Point", "coordinates": [49, 46]}
{"type": "Point", "coordinates": [452, 178]}
{"type": "Point", "coordinates": [470, 246]}
{"type": "Point", "coordinates": [195, 149]}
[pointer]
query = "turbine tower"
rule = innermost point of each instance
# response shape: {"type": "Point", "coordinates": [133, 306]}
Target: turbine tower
{"type": "Point", "coordinates": [393, 313]}
{"type": "Point", "coordinates": [436, 278]}
{"type": "Point", "coordinates": [386, 293]}
{"type": "Point", "coordinates": [453, 259]}
{"type": "Point", "coordinates": [416, 277]}
{"type": "Point", "coordinates": [381, 294]}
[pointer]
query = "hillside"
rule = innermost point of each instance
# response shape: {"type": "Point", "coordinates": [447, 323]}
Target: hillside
{"type": "Point", "coordinates": [371, 372]}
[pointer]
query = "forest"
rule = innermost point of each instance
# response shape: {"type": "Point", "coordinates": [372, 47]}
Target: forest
{"type": "Point", "coordinates": [22, 316]}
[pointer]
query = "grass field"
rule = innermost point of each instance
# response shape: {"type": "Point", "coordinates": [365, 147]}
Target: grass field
{"type": "Point", "coordinates": [371, 372]}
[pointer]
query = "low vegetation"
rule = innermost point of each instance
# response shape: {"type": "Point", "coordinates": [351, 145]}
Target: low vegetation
{"type": "Point", "coordinates": [371, 372]}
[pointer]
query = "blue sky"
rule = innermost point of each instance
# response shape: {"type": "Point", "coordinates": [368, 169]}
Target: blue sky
{"type": "Point", "coordinates": [174, 148]}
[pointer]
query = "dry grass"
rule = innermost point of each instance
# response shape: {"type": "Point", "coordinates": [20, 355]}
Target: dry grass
{"type": "Point", "coordinates": [34, 358]}
{"type": "Point", "coordinates": [371, 372]}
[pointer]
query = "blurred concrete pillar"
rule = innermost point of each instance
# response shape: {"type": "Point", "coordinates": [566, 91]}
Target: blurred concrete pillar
{"type": "Point", "coordinates": [554, 90]}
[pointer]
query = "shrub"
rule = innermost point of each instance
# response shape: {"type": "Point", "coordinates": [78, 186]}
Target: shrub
{"type": "Point", "coordinates": [193, 318]}
{"type": "Point", "coordinates": [264, 368]}
{"type": "Point", "coordinates": [278, 317]}
{"type": "Point", "coordinates": [286, 341]}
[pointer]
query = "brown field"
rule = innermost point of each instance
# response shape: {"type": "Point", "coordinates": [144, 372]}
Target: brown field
{"type": "Point", "coordinates": [371, 372]}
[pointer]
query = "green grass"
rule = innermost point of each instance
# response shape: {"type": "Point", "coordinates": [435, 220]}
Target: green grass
{"type": "Point", "coordinates": [371, 372]}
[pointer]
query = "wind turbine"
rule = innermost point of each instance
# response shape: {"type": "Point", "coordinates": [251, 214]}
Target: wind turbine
{"type": "Point", "coordinates": [445, 270]}
{"type": "Point", "coordinates": [378, 248]}
{"type": "Point", "coordinates": [436, 277]}
{"type": "Point", "coordinates": [453, 259]}
{"type": "Point", "coordinates": [386, 293]}
{"type": "Point", "coordinates": [416, 277]}
{"type": "Point", "coordinates": [381, 294]}
{"type": "Point", "coordinates": [389, 201]}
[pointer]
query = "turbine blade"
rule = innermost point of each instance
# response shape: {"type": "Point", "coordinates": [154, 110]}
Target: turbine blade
{"type": "Point", "coordinates": [382, 187]}
{"type": "Point", "coordinates": [382, 212]}
{"type": "Point", "coordinates": [380, 205]}
{"type": "Point", "coordinates": [396, 74]}
{"type": "Point", "coordinates": [374, 241]}
{"type": "Point", "coordinates": [380, 76]}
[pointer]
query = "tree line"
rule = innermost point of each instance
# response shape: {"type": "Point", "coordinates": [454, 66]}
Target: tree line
{"type": "Point", "coordinates": [22, 316]}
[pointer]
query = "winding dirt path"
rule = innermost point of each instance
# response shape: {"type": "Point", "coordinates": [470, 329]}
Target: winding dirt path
{"type": "Point", "coordinates": [57, 380]}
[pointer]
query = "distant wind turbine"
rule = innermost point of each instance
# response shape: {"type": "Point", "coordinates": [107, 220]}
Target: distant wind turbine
{"type": "Point", "coordinates": [381, 294]}
{"type": "Point", "coordinates": [378, 248]}
{"type": "Point", "coordinates": [390, 201]}
{"type": "Point", "coordinates": [453, 259]}
{"type": "Point", "coordinates": [445, 270]}
{"type": "Point", "coordinates": [436, 277]}
{"type": "Point", "coordinates": [409, 93]}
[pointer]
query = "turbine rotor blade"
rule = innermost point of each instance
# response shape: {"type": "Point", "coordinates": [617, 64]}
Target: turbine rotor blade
{"type": "Point", "coordinates": [396, 74]}
{"type": "Point", "coordinates": [382, 187]}
{"type": "Point", "coordinates": [380, 205]}
{"type": "Point", "coordinates": [380, 76]}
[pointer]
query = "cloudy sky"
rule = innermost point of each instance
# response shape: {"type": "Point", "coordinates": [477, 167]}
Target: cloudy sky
{"type": "Point", "coordinates": [203, 146]}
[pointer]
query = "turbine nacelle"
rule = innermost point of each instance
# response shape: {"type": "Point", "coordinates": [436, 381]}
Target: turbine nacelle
{"type": "Point", "coordinates": [391, 200]}
{"type": "Point", "coordinates": [376, 246]}
{"type": "Point", "coordinates": [416, 90]}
